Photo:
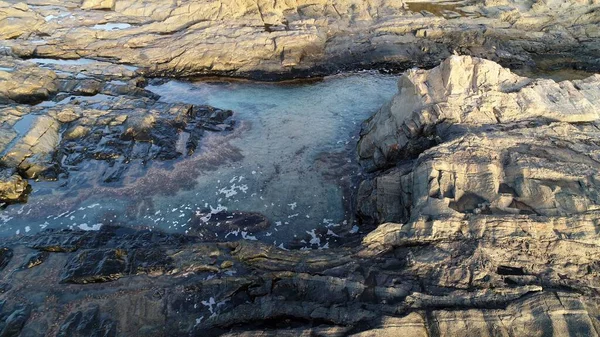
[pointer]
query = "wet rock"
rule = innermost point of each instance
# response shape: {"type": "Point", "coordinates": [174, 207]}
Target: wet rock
{"type": "Point", "coordinates": [153, 261]}
{"type": "Point", "coordinates": [159, 132]}
{"type": "Point", "coordinates": [35, 259]}
{"type": "Point", "coordinates": [13, 188]}
{"type": "Point", "coordinates": [56, 241]}
{"type": "Point", "coordinates": [102, 117]}
{"type": "Point", "coordinates": [98, 265]}
{"type": "Point", "coordinates": [12, 323]}
{"type": "Point", "coordinates": [6, 255]}
{"type": "Point", "coordinates": [428, 280]}
{"type": "Point", "coordinates": [90, 322]}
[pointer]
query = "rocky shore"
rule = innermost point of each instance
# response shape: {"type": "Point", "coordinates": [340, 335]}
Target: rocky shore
{"type": "Point", "coordinates": [481, 186]}
{"type": "Point", "coordinates": [277, 39]}
{"type": "Point", "coordinates": [484, 185]}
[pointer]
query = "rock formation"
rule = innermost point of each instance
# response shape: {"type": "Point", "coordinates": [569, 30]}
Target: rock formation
{"type": "Point", "coordinates": [274, 39]}
{"type": "Point", "coordinates": [471, 137]}
{"type": "Point", "coordinates": [95, 111]}
{"type": "Point", "coordinates": [484, 183]}
{"type": "Point", "coordinates": [482, 186]}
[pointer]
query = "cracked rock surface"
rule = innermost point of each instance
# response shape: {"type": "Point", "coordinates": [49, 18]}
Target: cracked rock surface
{"type": "Point", "coordinates": [274, 39]}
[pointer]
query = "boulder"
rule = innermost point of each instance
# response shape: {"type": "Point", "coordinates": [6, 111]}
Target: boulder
{"type": "Point", "coordinates": [13, 188]}
{"type": "Point", "coordinates": [469, 137]}
{"type": "Point", "coordinates": [98, 4]}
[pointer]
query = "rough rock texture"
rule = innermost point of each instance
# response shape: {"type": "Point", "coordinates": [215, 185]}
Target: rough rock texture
{"type": "Point", "coordinates": [95, 112]}
{"type": "Point", "coordinates": [12, 186]}
{"type": "Point", "coordinates": [25, 83]}
{"type": "Point", "coordinates": [484, 184]}
{"type": "Point", "coordinates": [274, 39]}
{"type": "Point", "coordinates": [487, 141]}
{"type": "Point", "coordinates": [421, 284]}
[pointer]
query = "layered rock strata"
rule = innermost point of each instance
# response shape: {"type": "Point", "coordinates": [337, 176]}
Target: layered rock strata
{"type": "Point", "coordinates": [276, 39]}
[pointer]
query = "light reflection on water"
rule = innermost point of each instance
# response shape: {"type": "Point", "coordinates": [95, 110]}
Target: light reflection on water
{"type": "Point", "coordinates": [291, 158]}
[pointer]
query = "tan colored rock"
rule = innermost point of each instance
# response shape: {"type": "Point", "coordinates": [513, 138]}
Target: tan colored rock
{"type": "Point", "coordinates": [17, 20]}
{"type": "Point", "coordinates": [27, 84]}
{"type": "Point", "coordinates": [32, 154]}
{"type": "Point", "coordinates": [266, 39]}
{"type": "Point", "coordinates": [98, 4]}
{"type": "Point", "coordinates": [471, 92]}
{"type": "Point", "coordinates": [76, 132]}
{"type": "Point", "coordinates": [12, 186]}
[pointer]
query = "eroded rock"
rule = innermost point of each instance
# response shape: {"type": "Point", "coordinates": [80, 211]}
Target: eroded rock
{"type": "Point", "coordinates": [88, 322]}
{"type": "Point", "coordinates": [95, 112]}
{"type": "Point", "coordinates": [12, 187]}
{"type": "Point", "coordinates": [488, 142]}
{"type": "Point", "coordinates": [265, 39]}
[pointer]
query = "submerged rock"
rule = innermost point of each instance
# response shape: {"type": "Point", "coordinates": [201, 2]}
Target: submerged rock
{"type": "Point", "coordinates": [94, 119]}
{"type": "Point", "coordinates": [228, 226]}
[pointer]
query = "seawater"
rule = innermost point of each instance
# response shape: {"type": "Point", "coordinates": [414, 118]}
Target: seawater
{"type": "Point", "coordinates": [291, 157]}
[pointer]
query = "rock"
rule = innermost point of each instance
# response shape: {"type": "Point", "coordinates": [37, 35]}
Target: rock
{"type": "Point", "coordinates": [12, 325]}
{"type": "Point", "coordinates": [13, 188]}
{"type": "Point", "coordinates": [22, 20]}
{"type": "Point", "coordinates": [86, 323]}
{"type": "Point", "coordinates": [498, 149]}
{"type": "Point", "coordinates": [97, 119]}
{"type": "Point", "coordinates": [6, 255]}
{"type": "Point", "coordinates": [99, 265]}
{"type": "Point", "coordinates": [274, 40]}
{"type": "Point", "coordinates": [469, 92]}
{"type": "Point", "coordinates": [98, 4]}
{"type": "Point", "coordinates": [24, 83]}
{"type": "Point", "coordinates": [423, 279]}
{"type": "Point", "coordinates": [35, 259]}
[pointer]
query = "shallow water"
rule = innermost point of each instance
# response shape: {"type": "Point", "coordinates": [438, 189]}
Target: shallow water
{"type": "Point", "coordinates": [111, 26]}
{"type": "Point", "coordinates": [291, 158]}
{"type": "Point", "coordinates": [74, 62]}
